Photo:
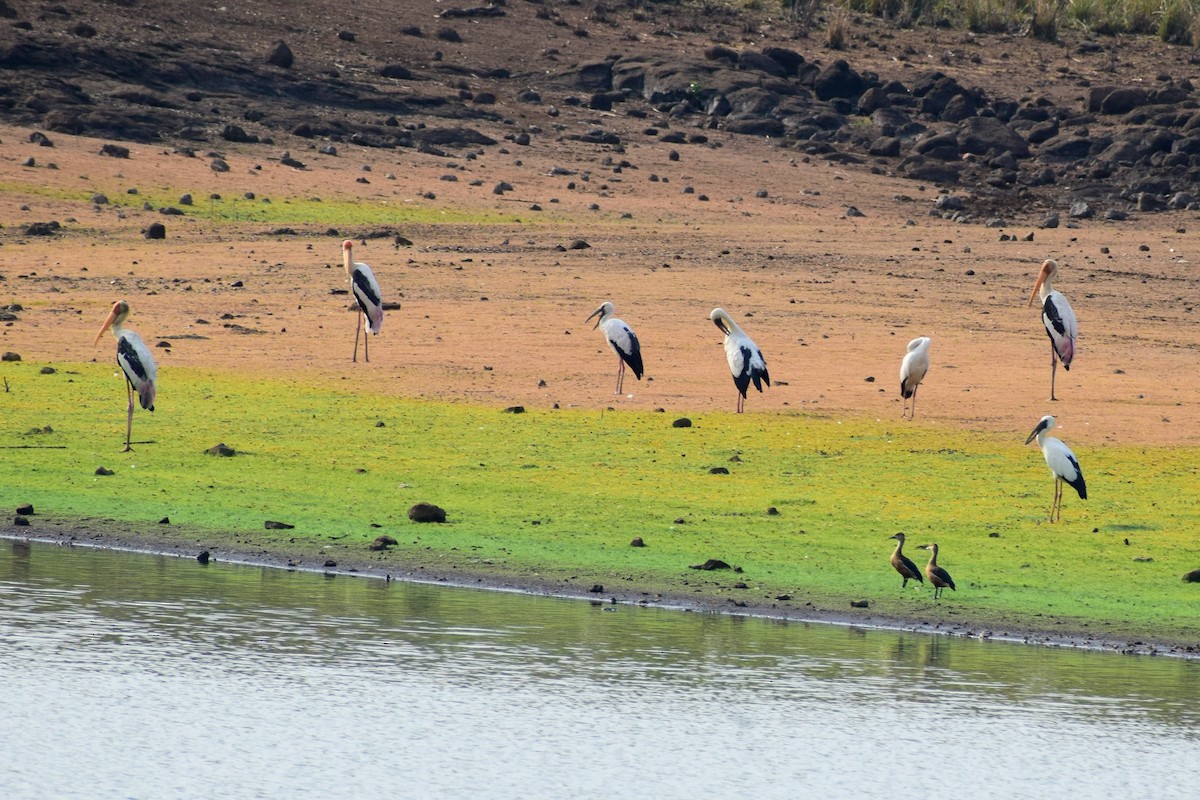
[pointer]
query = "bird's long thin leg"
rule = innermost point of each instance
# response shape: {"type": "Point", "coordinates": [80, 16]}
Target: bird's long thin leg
{"type": "Point", "coordinates": [366, 341]}
{"type": "Point", "coordinates": [129, 420]}
{"type": "Point", "coordinates": [741, 403]}
{"type": "Point", "coordinates": [357, 328]}
{"type": "Point", "coordinates": [912, 414]}
{"type": "Point", "coordinates": [1053, 369]}
{"type": "Point", "coordinates": [620, 375]}
{"type": "Point", "coordinates": [1057, 506]}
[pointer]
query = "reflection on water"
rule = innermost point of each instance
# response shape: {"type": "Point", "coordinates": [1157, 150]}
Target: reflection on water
{"type": "Point", "coordinates": [141, 676]}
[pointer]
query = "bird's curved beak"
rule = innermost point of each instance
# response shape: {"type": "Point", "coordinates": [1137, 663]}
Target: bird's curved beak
{"type": "Point", "coordinates": [599, 312]}
{"type": "Point", "coordinates": [720, 323]}
{"type": "Point", "coordinates": [922, 547]}
{"type": "Point", "coordinates": [1041, 278]}
{"type": "Point", "coordinates": [112, 316]}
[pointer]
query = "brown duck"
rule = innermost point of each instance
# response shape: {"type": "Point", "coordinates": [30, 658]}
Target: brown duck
{"type": "Point", "coordinates": [907, 569]}
{"type": "Point", "coordinates": [938, 577]}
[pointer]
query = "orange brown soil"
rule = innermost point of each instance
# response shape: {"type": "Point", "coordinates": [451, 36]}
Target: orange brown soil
{"type": "Point", "coordinates": [489, 310]}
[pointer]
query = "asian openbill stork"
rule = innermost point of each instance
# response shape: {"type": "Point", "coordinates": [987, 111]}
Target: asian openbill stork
{"type": "Point", "coordinates": [136, 362]}
{"type": "Point", "coordinates": [746, 361]}
{"type": "Point", "coordinates": [622, 340]}
{"type": "Point", "coordinates": [366, 292]}
{"type": "Point", "coordinates": [1058, 317]}
{"type": "Point", "coordinates": [1061, 462]}
{"type": "Point", "coordinates": [912, 372]}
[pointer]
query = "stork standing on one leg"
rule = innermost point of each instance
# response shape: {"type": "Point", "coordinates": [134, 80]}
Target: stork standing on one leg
{"type": "Point", "coordinates": [621, 339]}
{"type": "Point", "coordinates": [1058, 317]}
{"type": "Point", "coordinates": [136, 362]}
{"type": "Point", "coordinates": [746, 361]}
{"type": "Point", "coordinates": [366, 292]}
{"type": "Point", "coordinates": [1062, 464]}
{"type": "Point", "coordinates": [912, 372]}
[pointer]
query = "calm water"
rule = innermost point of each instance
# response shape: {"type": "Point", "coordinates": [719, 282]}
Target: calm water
{"type": "Point", "coordinates": [130, 676]}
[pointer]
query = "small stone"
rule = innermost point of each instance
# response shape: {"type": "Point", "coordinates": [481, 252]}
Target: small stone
{"type": "Point", "coordinates": [104, 471]}
{"type": "Point", "coordinates": [272, 525]}
{"type": "Point", "coordinates": [165, 521]}
{"type": "Point", "coordinates": [26, 509]}
{"type": "Point", "coordinates": [204, 557]}
{"type": "Point", "coordinates": [155, 230]}
{"type": "Point", "coordinates": [783, 597]}
{"type": "Point", "coordinates": [596, 588]}
{"type": "Point", "coordinates": [772, 512]}
{"type": "Point", "coordinates": [21, 520]}
{"type": "Point", "coordinates": [515, 410]}
{"type": "Point", "coordinates": [637, 542]}
{"type": "Point", "coordinates": [1193, 576]}
{"type": "Point", "coordinates": [10, 356]}
{"type": "Point", "coordinates": [426, 512]}
{"type": "Point", "coordinates": [221, 449]}
{"type": "Point", "coordinates": [711, 564]}
{"type": "Point", "coordinates": [281, 56]}
{"type": "Point", "coordinates": [682, 422]}
{"type": "Point", "coordinates": [860, 604]}
{"type": "Point", "coordinates": [719, 471]}
{"type": "Point", "coordinates": [329, 562]}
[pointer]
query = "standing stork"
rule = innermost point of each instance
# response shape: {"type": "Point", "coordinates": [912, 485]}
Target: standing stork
{"type": "Point", "coordinates": [903, 564]}
{"type": "Point", "coordinates": [621, 339]}
{"type": "Point", "coordinates": [1058, 317]}
{"type": "Point", "coordinates": [135, 360]}
{"type": "Point", "coordinates": [912, 372]}
{"type": "Point", "coordinates": [1061, 461]}
{"type": "Point", "coordinates": [939, 579]}
{"type": "Point", "coordinates": [746, 361]}
{"type": "Point", "coordinates": [366, 292]}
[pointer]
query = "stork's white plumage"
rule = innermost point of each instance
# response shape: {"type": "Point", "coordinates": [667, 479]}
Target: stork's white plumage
{"type": "Point", "coordinates": [912, 371]}
{"type": "Point", "coordinates": [366, 292]}
{"type": "Point", "coordinates": [1061, 461]}
{"type": "Point", "coordinates": [141, 373]}
{"type": "Point", "coordinates": [1058, 317]}
{"type": "Point", "coordinates": [746, 361]}
{"type": "Point", "coordinates": [621, 339]}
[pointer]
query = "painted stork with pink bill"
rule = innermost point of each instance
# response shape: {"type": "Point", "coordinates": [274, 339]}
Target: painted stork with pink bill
{"type": "Point", "coordinates": [135, 360]}
{"type": "Point", "coordinates": [366, 292]}
{"type": "Point", "coordinates": [1058, 317]}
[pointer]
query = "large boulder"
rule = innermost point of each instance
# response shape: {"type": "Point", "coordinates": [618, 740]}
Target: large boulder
{"type": "Point", "coordinates": [981, 135]}
{"type": "Point", "coordinates": [839, 79]}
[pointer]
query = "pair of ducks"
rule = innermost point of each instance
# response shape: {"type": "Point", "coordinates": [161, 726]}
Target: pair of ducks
{"type": "Point", "coordinates": [938, 577]}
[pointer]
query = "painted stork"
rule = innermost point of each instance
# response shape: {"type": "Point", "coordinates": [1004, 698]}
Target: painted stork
{"type": "Point", "coordinates": [939, 579]}
{"type": "Point", "coordinates": [912, 371]}
{"type": "Point", "coordinates": [903, 564]}
{"type": "Point", "coordinates": [136, 362]}
{"type": "Point", "coordinates": [746, 361]}
{"type": "Point", "coordinates": [366, 292]}
{"type": "Point", "coordinates": [1058, 317]}
{"type": "Point", "coordinates": [621, 339]}
{"type": "Point", "coordinates": [1061, 461]}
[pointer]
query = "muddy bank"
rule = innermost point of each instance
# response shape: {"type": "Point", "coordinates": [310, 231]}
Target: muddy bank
{"type": "Point", "coordinates": [181, 542]}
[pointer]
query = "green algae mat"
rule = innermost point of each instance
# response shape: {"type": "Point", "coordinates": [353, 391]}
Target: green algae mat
{"type": "Point", "coordinates": [802, 505]}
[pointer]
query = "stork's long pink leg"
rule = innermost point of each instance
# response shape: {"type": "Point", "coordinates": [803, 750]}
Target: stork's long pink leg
{"type": "Point", "coordinates": [1053, 369]}
{"type": "Point", "coordinates": [357, 328]}
{"type": "Point", "coordinates": [129, 420]}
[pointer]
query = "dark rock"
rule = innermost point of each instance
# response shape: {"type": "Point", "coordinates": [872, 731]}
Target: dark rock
{"type": "Point", "coordinates": [596, 589]}
{"type": "Point", "coordinates": [711, 564]}
{"type": "Point", "coordinates": [104, 471]}
{"type": "Point", "coordinates": [839, 79]}
{"type": "Point", "coordinates": [20, 521]}
{"type": "Point", "coordinates": [10, 356]}
{"type": "Point", "coordinates": [449, 35]}
{"type": "Point", "coordinates": [155, 230]}
{"type": "Point", "coordinates": [40, 139]}
{"type": "Point", "coordinates": [397, 71]}
{"type": "Point", "coordinates": [885, 147]}
{"type": "Point", "coordinates": [515, 410]}
{"type": "Point", "coordinates": [682, 422]}
{"type": "Point", "coordinates": [760, 62]}
{"type": "Point", "coordinates": [981, 135]}
{"type": "Point", "coordinates": [1123, 100]}
{"type": "Point", "coordinates": [860, 604]}
{"type": "Point", "coordinates": [719, 471]}
{"type": "Point", "coordinates": [329, 563]}
{"type": "Point", "coordinates": [221, 450]}
{"type": "Point", "coordinates": [114, 151]}
{"type": "Point", "coordinates": [272, 525]}
{"type": "Point", "coordinates": [637, 542]}
{"type": "Point", "coordinates": [165, 521]}
{"type": "Point", "coordinates": [26, 509]}
{"type": "Point", "coordinates": [281, 56]}
{"type": "Point", "coordinates": [203, 557]}
{"type": "Point", "coordinates": [235, 133]}
{"type": "Point", "coordinates": [1065, 147]}
{"type": "Point", "coordinates": [790, 60]}
{"type": "Point", "coordinates": [426, 512]}
{"type": "Point", "coordinates": [1193, 576]}
{"type": "Point", "coordinates": [42, 229]}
